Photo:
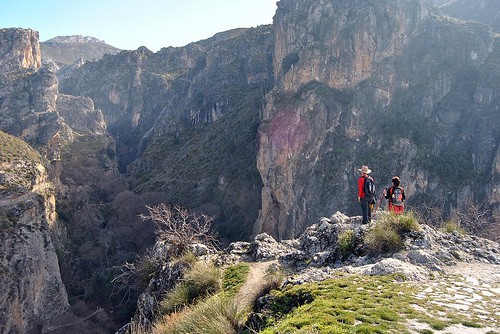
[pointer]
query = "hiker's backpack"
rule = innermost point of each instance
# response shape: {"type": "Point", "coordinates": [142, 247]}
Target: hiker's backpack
{"type": "Point", "coordinates": [369, 186]}
{"type": "Point", "coordinates": [397, 196]}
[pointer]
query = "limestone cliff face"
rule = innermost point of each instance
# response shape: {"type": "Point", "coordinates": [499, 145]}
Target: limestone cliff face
{"type": "Point", "coordinates": [339, 44]}
{"type": "Point", "coordinates": [385, 83]}
{"type": "Point", "coordinates": [20, 50]}
{"type": "Point", "coordinates": [31, 107]}
{"type": "Point", "coordinates": [81, 116]}
{"type": "Point", "coordinates": [28, 92]}
{"type": "Point", "coordinates": [31, 290]}
{"type": "Point", "coordinates": [57, 125]}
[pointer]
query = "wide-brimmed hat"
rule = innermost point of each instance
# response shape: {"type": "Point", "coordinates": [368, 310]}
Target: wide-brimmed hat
{"type": "Point", "coordinates": [365, 170]}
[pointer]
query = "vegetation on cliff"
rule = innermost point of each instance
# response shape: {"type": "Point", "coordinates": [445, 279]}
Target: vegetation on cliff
{"type": "Point", "coordinates": [18, 165]}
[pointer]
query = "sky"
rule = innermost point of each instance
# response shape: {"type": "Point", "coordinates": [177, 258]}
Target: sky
{"type": "Point", "coordinates": [129, 24]}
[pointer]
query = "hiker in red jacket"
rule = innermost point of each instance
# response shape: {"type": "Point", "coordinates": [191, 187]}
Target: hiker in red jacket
{"type": "Point", "coordinates": [364, 197]}
{"type": "Point", "coordinates": [396, 196]}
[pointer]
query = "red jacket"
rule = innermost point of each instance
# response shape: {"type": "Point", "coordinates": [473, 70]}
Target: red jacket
{"type": "Point", "coordinates": [361, 186]}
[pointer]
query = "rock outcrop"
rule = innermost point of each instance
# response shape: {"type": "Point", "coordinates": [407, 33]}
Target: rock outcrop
{"type": "Point", "coordinates": [31, 290]}
{"type": "Point", "coordinates": [20, 50]}
{"type": "Point", "coordinates": [28, 92]}
{"type": "Point", "coordinates": [319, 247]}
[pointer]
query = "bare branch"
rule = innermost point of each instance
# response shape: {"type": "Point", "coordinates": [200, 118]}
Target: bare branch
{"type": "Point", "coordinates": [179, 228]}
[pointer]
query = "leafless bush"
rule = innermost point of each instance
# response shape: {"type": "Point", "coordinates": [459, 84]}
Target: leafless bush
{"type": "Point", "coordinates": [179, 228]}
{"type": "Point", "coordinates": [474, 217]}
{"type": "Point", "coordinates": [135, 276]}
{"type": "Point", "coordinates": [433, 215]}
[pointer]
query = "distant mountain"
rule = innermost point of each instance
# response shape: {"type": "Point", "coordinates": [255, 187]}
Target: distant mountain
{"type": "Point", "coordinates": [66, 50]}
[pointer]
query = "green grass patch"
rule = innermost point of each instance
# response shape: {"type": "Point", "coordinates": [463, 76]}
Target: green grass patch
{"type": "Point", "coordinates": [12, 148]}
{"type": "Point", "coordinates": [472, 324]}
{"type": "Point", "coordinates": [217, 314]}
{"type": "Point", "coordinates": [451, 226]}
{"type": "Point", "coordinates": [18, 163]}
{"type": "Point", "coordinates": [437, 324]}
{"type": "Point", "coordinates": [350, 304]}
{"type": "Point", "coordinates": [215, 311]}
{"type": "Point", "coordinates": [347, 304]}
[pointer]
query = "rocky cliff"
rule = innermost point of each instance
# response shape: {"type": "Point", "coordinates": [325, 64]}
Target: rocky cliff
{"type": "Point", "coordinates": [28, 91]}
{"type": "Point", "coordinates": [32, 109]}
{"type": "Point", "coordinates": [31, 290]}
{"type": "Point", "coordinates": [388, 84]}
{"type": "Point", "coordinates": [25, 50]}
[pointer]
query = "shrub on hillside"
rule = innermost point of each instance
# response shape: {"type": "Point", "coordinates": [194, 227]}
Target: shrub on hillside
{"type": "Point", "coordinates": [216, 315]}
{"type": "Point", "coordinates": [201, 280]}
{"type": "Point", "coordinates": [217, 311]}
{"type": "Point", "coordinates": [451, 226]}
{"type": "Point", "coordinates": [346, 243]}
{"type": "Point", "coordinates": [388, 232]}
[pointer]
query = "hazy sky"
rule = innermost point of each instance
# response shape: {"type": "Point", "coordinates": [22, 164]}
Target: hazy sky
{"type": "Point", "coordinates": [129, 24]}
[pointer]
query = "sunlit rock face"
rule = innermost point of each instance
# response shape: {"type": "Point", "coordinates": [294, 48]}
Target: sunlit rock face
{"type": "Point", "coordinates": [31, 289]}
{"type": "Point", "coordinates": [20, 49]}
{"type": "Point", "coordinates": [28, 92]}
{"type": "Point", "coordinates": [339, 43]}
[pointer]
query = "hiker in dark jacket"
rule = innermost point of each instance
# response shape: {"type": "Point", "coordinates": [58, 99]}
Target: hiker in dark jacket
{"type": "Point", "coordinates": [364, 198]}
{"type": "Point", "coordinates": [396, 196]}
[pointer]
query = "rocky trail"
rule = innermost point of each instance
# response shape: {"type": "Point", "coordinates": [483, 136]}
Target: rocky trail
{"type": "Point", "coordinates": [469, 290]}
{"type": "Point", "coordinates": [253, 285]}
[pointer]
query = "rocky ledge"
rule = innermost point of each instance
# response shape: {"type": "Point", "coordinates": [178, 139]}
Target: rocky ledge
{"type": "Point", "coordinates": [342, 245]}
{"type": "Point", "coordinates": [318, 251]}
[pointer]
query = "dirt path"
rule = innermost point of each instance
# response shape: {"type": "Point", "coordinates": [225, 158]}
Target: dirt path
{"type": "Point", "coordinates": [245, 298]}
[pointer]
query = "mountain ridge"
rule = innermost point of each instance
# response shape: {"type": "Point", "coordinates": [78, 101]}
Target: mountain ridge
{"type": "Point", "coordinates": [67, 50]}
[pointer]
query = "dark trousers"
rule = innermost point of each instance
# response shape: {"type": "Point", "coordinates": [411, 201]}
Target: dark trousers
{"type": "Point", "coordinates": [365, 207]}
